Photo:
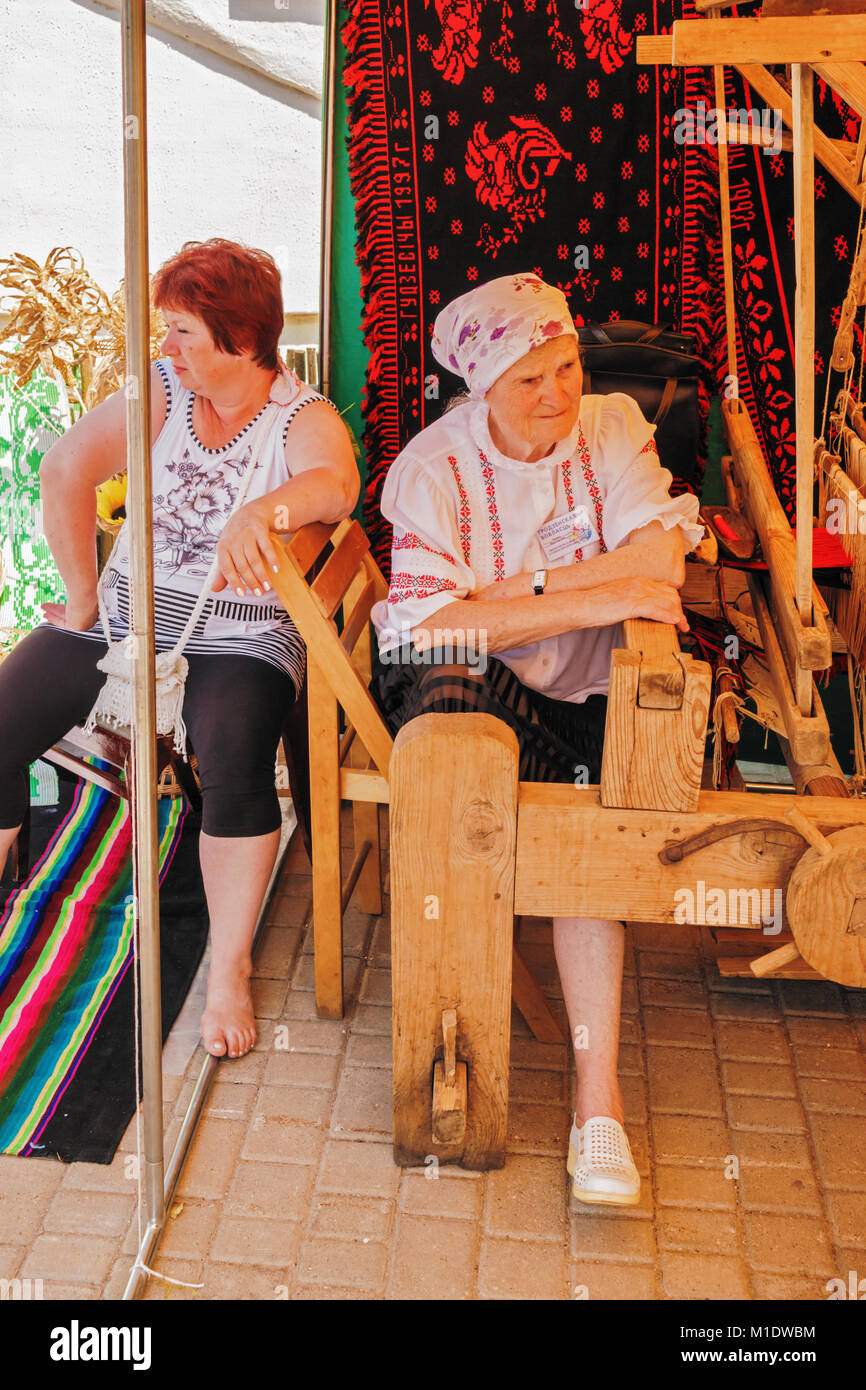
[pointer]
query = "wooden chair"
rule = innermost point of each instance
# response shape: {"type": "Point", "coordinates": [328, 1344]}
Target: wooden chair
{"type": "Point", "coordinates": [114, 751]}
{"type": "Point", "coordinates": [353, 767]}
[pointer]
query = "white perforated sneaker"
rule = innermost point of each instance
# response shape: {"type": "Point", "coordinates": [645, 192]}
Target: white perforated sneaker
{"type": "Point", "coordinates": [600, 1161]}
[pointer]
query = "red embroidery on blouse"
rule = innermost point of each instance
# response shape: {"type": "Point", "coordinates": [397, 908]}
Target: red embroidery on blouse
{"type": "Point", "coordinates": [405, 586]}
{"type": "Point", "coordinates": [465, 518]}
{"type": "Point", "coordinates": [592, 488]}
{"type": "Point", "coordinates": [649, 448]}
{"type": "Point", "coordinates": [493, 518]}
{"type": "Point", "coordinates": [566, 478]}
{"type": "Point", "coordinates": [412, 542]}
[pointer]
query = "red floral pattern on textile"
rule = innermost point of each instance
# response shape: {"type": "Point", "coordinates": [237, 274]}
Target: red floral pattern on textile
{"type": "Point", "coordinates": [592, 488]}
{"type": "Point", "coordinates": [604, 38]}
{"type": "Point", "coordinates": [493, 518]}
{"type": "Point", "coordinates": [461, 36]}
{"type": "Point", "coordinates": [481, 62]}
{"type": "Point", "coordinates": [508, 173]}
{"type": "Point", "coordinates": [566, 482]}
{"type": "Point", "coordinates": [649, 448]}
{"type": "Point", "coordinates": [405, 586]}
{"type": "Point", "coordinates": [412, 542]}
{"type": "Point", "coordinates": [464, 516]}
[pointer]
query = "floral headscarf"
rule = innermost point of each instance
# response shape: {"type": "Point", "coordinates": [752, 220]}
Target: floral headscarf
{"type": "Point", "coordinates": [483, 333]}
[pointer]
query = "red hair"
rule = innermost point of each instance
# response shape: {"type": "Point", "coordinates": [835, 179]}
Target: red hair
{"type": "Point", "coordinates": [234, 289]}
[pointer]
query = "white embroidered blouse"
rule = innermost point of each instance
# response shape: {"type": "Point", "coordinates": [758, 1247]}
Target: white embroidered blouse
{"type": "Point", "coordinates": [465, 515]}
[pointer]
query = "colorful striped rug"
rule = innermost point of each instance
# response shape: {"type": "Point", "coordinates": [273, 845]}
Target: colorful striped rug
{"type": "Point", "coordinates": [65, 947]}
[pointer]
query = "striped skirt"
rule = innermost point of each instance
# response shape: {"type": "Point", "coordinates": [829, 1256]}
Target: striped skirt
{"type": "Point", "coordinates": [559, 741]}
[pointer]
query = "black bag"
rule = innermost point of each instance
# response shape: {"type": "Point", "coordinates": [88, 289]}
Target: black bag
{"type": "Point", "coordinates": [659, 370]}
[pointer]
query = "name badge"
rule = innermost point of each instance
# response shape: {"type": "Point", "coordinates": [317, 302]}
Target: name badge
{"type": "Point", "coordinates": [560, 537]}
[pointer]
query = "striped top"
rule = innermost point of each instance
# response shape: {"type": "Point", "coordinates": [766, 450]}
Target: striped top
{"type": "Point", "coordinates": [194, 488]}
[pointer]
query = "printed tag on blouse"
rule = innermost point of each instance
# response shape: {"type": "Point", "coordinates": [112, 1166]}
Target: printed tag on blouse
{"type": "Point", "coordinates": [560, 537]}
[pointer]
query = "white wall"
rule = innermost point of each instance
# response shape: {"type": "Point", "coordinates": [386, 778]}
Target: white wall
{"type": "Point", "coordinates": [234, 132]}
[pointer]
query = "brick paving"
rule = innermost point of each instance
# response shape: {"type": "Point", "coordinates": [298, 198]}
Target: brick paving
{"type": "Point", "coordinates": [745, 1106]}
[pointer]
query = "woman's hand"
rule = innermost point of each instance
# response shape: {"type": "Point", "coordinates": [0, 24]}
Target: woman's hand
{"type": "Point", "coordinates": [493, 591]}
{"type": "Point", "coordinates": [245, 552]}
{"type": "Point", "coordinates": [75, 616]}
{"type": "Point", "coordinates": [648, 598]}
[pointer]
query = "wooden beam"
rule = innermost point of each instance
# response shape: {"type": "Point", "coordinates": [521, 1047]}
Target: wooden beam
{"type": "Point", "coordinates": [808, 734]}
{"type": "Point", "coordinates": [808, 648]}
{"type": "Point", "coordinates": [774, 94]}
{"type": "Point", "coordinates": [532, 1004]}
{"type": "Point", "coordinates": [657, 710]}
{"type": "Point", "coordinates": [771, 8]}
{"type": "Point", "coordinates": [320, 636]}
{"type": "Point", "coordinates": [817, 39]}
{"type": "Point", "coordinates": [325, 835]}
{"type": "Point", "coordinates": [753, 136]}
{"type": "Point", "coordinates": [331, 583]}
{"type": "Point", "coordinates": [662, 683]}
{"type": "Point", "coordinates": [804, 344]}
{"type": "Point", "coordinates": [580, 871]}
{"type": "Point", "coordinates": [825, 778]}
{"type": "Point", "coordinates": [452, 925]}
{"type": "Point", "coordinates": [359, 785]}
{"type": "Point", "coordinates": [848, 80]}
{"type": "Point", "coordinates": [654, 50]}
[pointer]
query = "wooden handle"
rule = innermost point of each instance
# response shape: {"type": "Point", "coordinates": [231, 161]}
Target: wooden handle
{"type": "Point", "coordinates": [775, 960]}
{"type": "Point", "coordinates": [809, 831]}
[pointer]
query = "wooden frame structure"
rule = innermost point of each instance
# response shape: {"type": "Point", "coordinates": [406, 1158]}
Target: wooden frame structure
{"type": "Point", "coordinates": [487, 846]}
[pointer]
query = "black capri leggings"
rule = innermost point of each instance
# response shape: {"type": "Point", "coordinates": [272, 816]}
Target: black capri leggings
{"type": "Point", "coordinates": [234, 710]}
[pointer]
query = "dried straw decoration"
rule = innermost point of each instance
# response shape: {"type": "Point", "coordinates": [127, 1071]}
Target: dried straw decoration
{"type": "Point", "coordinates": [58, 312]}
{"type": "Point", "coordinates": [64, 323]}
{"type": "Point", "coordinates": [109, 368]}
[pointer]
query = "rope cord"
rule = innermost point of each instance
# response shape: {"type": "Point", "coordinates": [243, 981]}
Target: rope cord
{"type": "Point", "coordinates": [849, 374]}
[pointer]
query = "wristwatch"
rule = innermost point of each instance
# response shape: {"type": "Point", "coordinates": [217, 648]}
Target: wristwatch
{"type": "Point", "coordinates": [539, 579]}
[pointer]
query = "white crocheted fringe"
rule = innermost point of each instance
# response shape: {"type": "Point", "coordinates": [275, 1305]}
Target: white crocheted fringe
{"type": "Point", "coordinates": [115, 703]}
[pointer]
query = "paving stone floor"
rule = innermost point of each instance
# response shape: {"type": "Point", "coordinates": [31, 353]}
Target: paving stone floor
{"type": "Point", "coordinates": [746, 1110]}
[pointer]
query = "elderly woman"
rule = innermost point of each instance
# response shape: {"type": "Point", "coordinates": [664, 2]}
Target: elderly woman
{"type": "Point", "coordinates": [536, 519]}
{"type": "Point", "coordinates": [220, 368]}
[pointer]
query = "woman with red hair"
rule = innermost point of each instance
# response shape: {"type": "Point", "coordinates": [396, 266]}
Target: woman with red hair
{"type": "Point", "coordinates": [219, 372]}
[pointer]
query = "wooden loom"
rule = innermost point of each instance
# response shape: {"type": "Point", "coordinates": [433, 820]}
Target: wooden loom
{"type": "Point", "coordinates": [471, 846]}
{"type": "Point", "coordinates": [629, 847]}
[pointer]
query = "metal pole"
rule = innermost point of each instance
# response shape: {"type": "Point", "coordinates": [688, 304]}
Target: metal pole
{"type": "Point", "coordinates": [328, 104]}
{"type": "Point", "coordinates": [145, 858]}
{"type": "Point", "coordinates": [138, 1277]}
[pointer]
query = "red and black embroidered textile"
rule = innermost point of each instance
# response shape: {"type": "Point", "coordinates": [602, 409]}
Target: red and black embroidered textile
{"type": "Point", "coordinates": [494, 136]}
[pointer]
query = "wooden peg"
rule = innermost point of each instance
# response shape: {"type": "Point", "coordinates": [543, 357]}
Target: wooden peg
{"type": "Point", "coordinates": [449, 1087]}
{"type": "Point", "coordinates": [809, 831]}
{"type": "Point", "coordinates": [775, 960]}
{"type": "Point", "coordinates": [449, 1034]}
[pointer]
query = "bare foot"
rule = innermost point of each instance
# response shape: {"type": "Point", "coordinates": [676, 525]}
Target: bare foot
{"type": "Point", "coordinates": [228, 1025]}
